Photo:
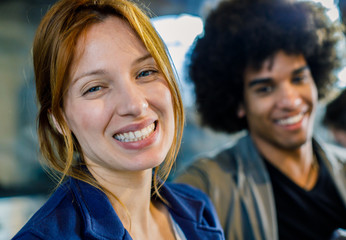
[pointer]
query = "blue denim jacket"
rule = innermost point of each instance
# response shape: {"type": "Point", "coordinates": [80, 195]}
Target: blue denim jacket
{"type": "Point", "coordinates": [77, 210]}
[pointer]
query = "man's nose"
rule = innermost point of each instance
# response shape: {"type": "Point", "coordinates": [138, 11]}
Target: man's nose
{"type": "Point", "coordinates": [288, 97]}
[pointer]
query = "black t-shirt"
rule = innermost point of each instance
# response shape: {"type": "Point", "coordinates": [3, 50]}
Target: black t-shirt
{"type": "Point", "coordinates": [302, 214]}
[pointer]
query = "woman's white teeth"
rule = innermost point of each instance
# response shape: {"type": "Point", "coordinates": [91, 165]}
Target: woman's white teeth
{"type": "Point", "coordinates": [291, 120]}
{"type": "Point", "coordinates": [135, 136]}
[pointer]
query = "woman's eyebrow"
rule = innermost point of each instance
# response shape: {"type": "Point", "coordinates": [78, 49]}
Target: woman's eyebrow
{"type": "Point", "coordinates": [93, 72]}
{"type": "Point", "coordinates": [141, 59]}
{"type": "Point", "coordinates": [103, 72]}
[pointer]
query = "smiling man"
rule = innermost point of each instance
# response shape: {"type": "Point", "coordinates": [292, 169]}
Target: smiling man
{"type": "Point", "coordinates": [261, 67]}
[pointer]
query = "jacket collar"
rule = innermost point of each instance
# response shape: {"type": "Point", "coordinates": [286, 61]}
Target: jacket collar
{"type": "Point", "coordinates": [101, 221]}
{"type": "Point", "coordinates": [334, 159]}
{"type": "Point", "coordinates": [250, 161]}
{"type": "Point", "coordinates": [189, 209]}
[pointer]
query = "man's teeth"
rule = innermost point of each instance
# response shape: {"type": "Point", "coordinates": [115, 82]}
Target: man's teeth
{"type": "Point", "coordinates": [135, 136]}
{"type": "Point", "coordinates": [291, 120]}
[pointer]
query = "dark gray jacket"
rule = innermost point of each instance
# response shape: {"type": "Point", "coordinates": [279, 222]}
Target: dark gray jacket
{"type": "Point", "coordinates": [238, 184]}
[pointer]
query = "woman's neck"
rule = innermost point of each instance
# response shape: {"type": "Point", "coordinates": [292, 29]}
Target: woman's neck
{"type": "Point", "coordinates": [130, 196]}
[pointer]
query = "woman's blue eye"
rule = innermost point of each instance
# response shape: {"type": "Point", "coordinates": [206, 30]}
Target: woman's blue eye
{"type": "Point", "coordinates": [94, 89]}
{"type": "Point", "coordinates": [145, 73]}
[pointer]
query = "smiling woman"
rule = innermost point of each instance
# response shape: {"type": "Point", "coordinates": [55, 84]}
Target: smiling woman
{"type": "Point", "coordinates": [118, 90]}
{"type": "Point", "coordinates": [110, 126]}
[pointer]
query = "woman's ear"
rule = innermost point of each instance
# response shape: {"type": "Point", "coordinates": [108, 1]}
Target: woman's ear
{"type": "Point", "coordinates": [241, 111]}
{"type": "Point", "coordinates": [56, 124]}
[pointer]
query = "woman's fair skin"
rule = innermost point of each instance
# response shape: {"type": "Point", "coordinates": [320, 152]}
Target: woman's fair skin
{"type": "Point", "coordinates": [119, 108]}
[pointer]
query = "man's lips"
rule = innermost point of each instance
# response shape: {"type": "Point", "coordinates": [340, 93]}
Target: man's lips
{"type": "Point", "coordinates": [290, 120]}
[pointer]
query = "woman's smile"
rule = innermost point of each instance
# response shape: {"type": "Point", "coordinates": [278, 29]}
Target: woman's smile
{"type": "Point", "coordinates": [134, 136]}
{"type": "Point", "coordinates": [124, 119]}
{"type": "Point", "coordinates": [140, 139]}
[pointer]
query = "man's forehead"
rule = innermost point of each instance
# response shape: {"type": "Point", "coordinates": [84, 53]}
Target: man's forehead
{"type": "Point", "coordinates": [281, 61]}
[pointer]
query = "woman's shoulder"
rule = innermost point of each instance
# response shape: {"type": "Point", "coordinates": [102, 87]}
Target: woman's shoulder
{"type": "Point", "coordinates": [59, 212]}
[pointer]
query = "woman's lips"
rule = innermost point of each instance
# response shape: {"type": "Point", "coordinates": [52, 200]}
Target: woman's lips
{"type": "Point", "coordinates": [133, 136]}
{"type": "Point", "coordinates": [134, 140]}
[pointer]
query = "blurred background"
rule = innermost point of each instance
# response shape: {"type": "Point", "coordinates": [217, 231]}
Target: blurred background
{"type": "Point", "coordinates": [24, 185]}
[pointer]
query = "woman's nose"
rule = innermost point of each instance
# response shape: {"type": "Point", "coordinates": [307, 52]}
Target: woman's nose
{"type": "Point", "coordinates": [132, 101]}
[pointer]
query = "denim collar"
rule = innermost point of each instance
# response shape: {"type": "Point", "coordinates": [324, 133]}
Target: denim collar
{"type": "Point", "coordinates": [101, 221]}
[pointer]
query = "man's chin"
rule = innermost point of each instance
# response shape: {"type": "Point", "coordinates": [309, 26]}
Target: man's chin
{"type": "Point", "coordinates": [294, 144]}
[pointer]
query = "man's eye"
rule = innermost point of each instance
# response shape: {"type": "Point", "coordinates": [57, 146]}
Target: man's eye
{"type": "Point", "coordinates": [298, 79]}
{"type": "Point", "coordinates": [264, 89]}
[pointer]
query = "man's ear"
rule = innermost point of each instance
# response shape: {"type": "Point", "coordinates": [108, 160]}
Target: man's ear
{"type": "Point", "coordinates": [241, 111]}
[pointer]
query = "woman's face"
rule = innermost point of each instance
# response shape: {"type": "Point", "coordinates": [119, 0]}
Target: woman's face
{"type": "Point", "coordinates": [118, 104]}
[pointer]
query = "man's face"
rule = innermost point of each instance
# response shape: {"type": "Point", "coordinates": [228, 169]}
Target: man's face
{"type": "Point", "coordinates": [279, 102]}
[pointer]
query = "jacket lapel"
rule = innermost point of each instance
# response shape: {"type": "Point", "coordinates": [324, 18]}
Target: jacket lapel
{"type": "Point", "coordinates": [191, 214]}
{"type": "Point", "coordinates": [100, 219]}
